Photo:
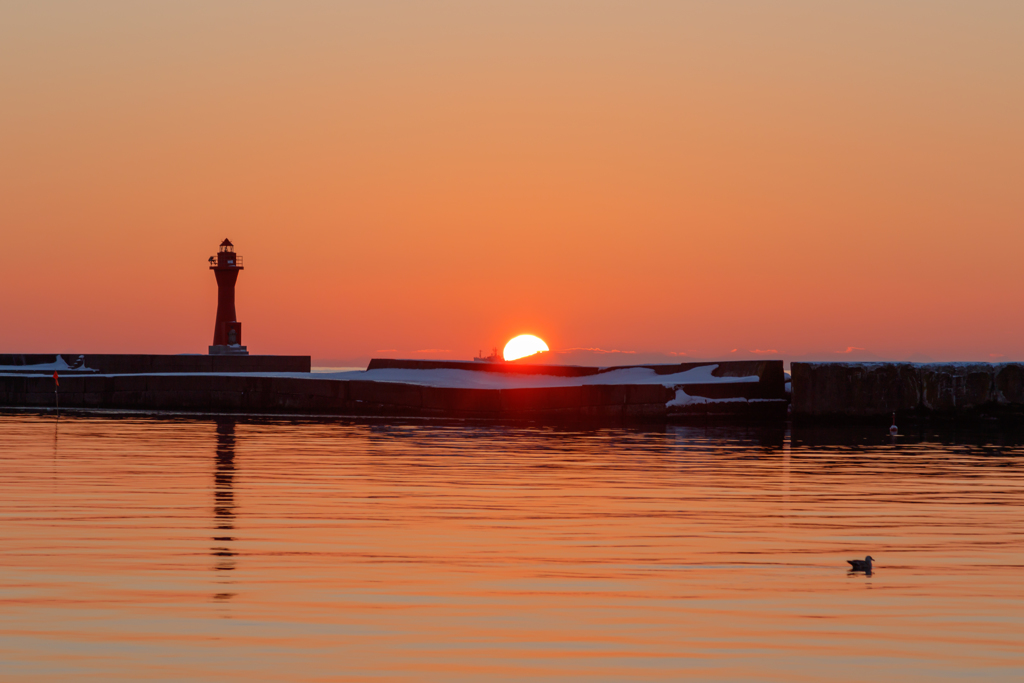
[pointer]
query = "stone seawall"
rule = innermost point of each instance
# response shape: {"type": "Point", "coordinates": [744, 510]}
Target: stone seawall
{"type": "Point", "coordinates": [852, 390]}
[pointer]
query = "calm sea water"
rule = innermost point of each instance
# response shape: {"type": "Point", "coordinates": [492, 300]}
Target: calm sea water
{"type": "Point", "coordinates": [172, 549]}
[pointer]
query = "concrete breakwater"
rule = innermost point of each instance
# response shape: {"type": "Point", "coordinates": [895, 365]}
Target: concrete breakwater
{"type": "Point", "coordinates": [856, 390]}
{"type": "Point", "coordinates": [739, 390]}
{"type": "Point", "coordinates": [743, 390]}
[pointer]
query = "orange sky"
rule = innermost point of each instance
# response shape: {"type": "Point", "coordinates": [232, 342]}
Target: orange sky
{"type": "Point", "coordinates": [434, 178]}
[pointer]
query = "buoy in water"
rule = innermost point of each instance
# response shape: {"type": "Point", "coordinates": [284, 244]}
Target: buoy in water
{"type": "Point", "coordinates": [892, 430]}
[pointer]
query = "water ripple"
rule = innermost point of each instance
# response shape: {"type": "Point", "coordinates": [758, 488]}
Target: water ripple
{"type": "Point", "coordinates": [196, 549]}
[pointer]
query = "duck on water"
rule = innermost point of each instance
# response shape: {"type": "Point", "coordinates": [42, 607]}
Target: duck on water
{"type": "Point", "coordinates": [861, 565]}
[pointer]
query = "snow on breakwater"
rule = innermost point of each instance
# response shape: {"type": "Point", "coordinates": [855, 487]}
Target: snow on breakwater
{"type": "Point", "coordinates": [469, 379]}
{"type": "Point", "coordinates": [58, 365]}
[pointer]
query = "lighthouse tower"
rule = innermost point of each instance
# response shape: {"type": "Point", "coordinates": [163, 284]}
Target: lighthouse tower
{"type": "Point", "coordinates": [227, 333]}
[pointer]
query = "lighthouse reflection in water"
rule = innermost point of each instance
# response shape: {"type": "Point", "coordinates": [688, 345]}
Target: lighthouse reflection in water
{"type": "Point", "coordinates": [224, 502]}
{"type": "Point", "coordinates": [140, 548]}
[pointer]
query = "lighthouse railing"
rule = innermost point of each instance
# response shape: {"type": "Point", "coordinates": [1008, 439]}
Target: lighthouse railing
{"type": "Point", "coordinates": [216, 262]}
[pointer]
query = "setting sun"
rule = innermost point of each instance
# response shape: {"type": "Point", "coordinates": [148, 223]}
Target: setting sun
{"type": "Point", "coordinates": [522, 346]}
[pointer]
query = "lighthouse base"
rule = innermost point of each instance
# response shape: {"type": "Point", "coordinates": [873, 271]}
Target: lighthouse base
{"type": "Point", "coordinates": [225, 350]}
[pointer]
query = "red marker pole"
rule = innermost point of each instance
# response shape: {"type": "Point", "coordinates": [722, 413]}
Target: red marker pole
{"type": "Point", "coordinates": [56, 397]}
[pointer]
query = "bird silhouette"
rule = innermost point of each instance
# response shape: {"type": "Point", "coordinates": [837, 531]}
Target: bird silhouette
{"type": "Point", "coordinates": [861, 565]}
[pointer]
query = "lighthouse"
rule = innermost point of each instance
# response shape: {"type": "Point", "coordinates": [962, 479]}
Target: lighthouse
{"type": "Point", "coordinates": [227, 332]}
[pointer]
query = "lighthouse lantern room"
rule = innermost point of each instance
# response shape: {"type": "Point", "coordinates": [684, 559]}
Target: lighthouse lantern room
{"type": "Point", "coordinates": [227, 332]}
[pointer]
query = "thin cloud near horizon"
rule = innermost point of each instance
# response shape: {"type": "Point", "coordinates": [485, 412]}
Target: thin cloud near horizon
{"type": "Point", "coordinates": [594, 350]}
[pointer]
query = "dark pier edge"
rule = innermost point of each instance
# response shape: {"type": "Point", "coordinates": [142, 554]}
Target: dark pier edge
{"type": "Point", "coordinates": [124, 364]}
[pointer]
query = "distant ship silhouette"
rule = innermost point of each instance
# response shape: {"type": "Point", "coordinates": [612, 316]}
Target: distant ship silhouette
{"type": "Point", "coordinates": [493, 358]}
